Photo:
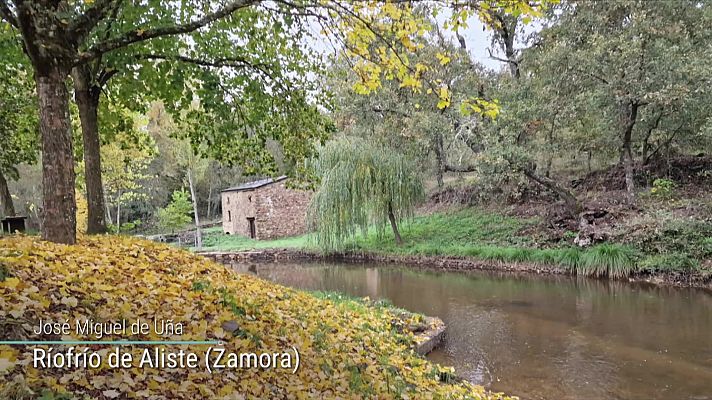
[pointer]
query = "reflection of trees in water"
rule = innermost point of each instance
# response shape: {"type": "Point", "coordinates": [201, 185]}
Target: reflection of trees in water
{"type": "Point", "coordinates": [675, 317]}
{"type": "Point", "coordinates": [543, 336]}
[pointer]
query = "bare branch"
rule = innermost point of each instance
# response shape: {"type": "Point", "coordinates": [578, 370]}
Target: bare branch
{"type": "Point", "coordinates": [140, 34]}
{"type": "Point", "coordinates": [504, 60]}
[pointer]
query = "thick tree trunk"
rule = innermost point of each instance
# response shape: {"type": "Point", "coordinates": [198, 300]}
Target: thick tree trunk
{"type": "Point", "coordinates": [394, 225]}
{"type": "Point", "coordinates": [87, 99]}
{"type": "Point", "coordinates": [59, 209]}
{"type": "Point", "coordinates": [198, 233]}
{"type": "Point", "coordinates": [8, 207]}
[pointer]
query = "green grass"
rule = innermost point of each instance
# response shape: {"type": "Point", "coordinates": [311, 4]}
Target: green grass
{"type": "Point", "coordinates": [358, 303]}
{"type": "Point", "coordinates": [665, 263]}
{"type": "Point", "coordinates": [611, 260]}
{"type": "Point", "coordinates": [215, 240]}
{"type": "Point", "coordinates": [485, 236]}
{"type": "Point", "coordinates": [457, 229]}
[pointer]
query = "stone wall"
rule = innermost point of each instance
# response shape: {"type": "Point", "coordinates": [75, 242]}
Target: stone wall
{"type": "Point", "coordinates": [280, 211]}
{"type": "Point", "coordinates": [236, 208]}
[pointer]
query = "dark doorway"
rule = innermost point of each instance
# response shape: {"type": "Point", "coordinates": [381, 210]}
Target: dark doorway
{"type": "Point", "coordinates": [251, 221]}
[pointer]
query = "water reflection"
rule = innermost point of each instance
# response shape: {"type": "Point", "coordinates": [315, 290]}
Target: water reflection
{"type": "Point", "coordinates": [544, 337]}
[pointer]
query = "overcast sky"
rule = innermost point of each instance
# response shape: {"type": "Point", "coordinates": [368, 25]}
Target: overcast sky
{"type": "Point", "coordinates": [478, 41]}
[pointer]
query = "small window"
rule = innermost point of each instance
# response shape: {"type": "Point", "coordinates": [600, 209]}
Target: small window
{"type": "Point", "coordinates": [228, 199]}
{"type": "Point", "coordinates": [249, 198]}
{"type": "Point", "coordinates": [229, 216]}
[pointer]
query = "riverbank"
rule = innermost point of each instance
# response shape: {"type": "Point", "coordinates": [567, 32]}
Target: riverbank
{"type": "Point", "coordinates": [427, 331]}
{"type": "Point", "coordinates": [346, 349]}
{"type": "Point", "coordinates": [443, 263]}
{"type": "Point", "coordinates": [672, 250]}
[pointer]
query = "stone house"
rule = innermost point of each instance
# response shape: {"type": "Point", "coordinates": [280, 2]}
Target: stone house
{"type": "Point", "coordinates": [264, 209]}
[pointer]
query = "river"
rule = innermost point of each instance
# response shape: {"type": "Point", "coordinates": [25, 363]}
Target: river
{"type": "Point", "coordinates": [543, 337]}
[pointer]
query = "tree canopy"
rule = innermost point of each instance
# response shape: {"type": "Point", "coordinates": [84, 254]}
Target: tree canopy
{"type": "Point", "coordinates": [75, 39]}
{"type": "Point", "coordinates": [18, 117]}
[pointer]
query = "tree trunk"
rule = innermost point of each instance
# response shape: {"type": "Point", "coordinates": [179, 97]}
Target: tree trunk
{"type": "Point", "coordinates": [198, 233]}
{"type": "Point", "coordinates": [511, 56]}
{"type": "Point", "coordinates": [59, 221]}
{"type": "Point", "coordinates": [626, 152]}
{"type": "Point", "coordinates": [440, 159]}
{"type": "Point", "coordinates": [108, 210]}
{"type": "Point", "coordinates": [573, 205]}
{"type": "Point", "coordinates": [550, 139]}
{"type": "Point", "coordinates": [394, 226]}
{"type": "Point", "coordinates": [87, 99]}
{"type": "Point", "coordinates": [118, 217]}
{"type": "Point", "coordinates": [646, 140]}
{"type": "Point", "coordinates": [8, 207]}
{"type": "Point", "coordinates": [210, 199]}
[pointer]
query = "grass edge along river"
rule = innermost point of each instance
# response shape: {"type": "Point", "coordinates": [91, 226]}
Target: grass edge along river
{"type": "Point", "coordinates": [679, 254]}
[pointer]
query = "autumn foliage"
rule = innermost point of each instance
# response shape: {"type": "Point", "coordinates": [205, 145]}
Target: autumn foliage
{"type": "Point", "coordinates": [345, 353]}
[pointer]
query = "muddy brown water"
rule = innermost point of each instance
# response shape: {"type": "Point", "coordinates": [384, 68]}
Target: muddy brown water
{"type": "Point", "coordinates": [543, 337]}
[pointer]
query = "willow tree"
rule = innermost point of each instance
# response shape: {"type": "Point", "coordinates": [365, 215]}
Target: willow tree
{"type": "Point", "coordinates": [361, 184]}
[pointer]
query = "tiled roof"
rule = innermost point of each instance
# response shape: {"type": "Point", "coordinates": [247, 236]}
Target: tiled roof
{"type": "Point", "coordinates": [255, 184]}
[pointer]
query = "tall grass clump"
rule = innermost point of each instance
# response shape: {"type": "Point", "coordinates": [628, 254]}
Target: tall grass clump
{"type": "Point", "coordinates": [569, 258]}
{"type": "Point", "coordinates": [607, 260]}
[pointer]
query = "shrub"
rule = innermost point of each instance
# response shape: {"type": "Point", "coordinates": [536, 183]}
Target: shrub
{"type": "Point", "coordinates": [125, 227]}
{"type": "Point", "coordinates": [177, 214]}
{"type": "Point", "coordinates": [609, 260]}
{"type": "Point", "coordinates": [663, 188]}
{"type": "Point", "coordinates": [685, 236]}
{"type": "Point", "coordinates": [660, 263]}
